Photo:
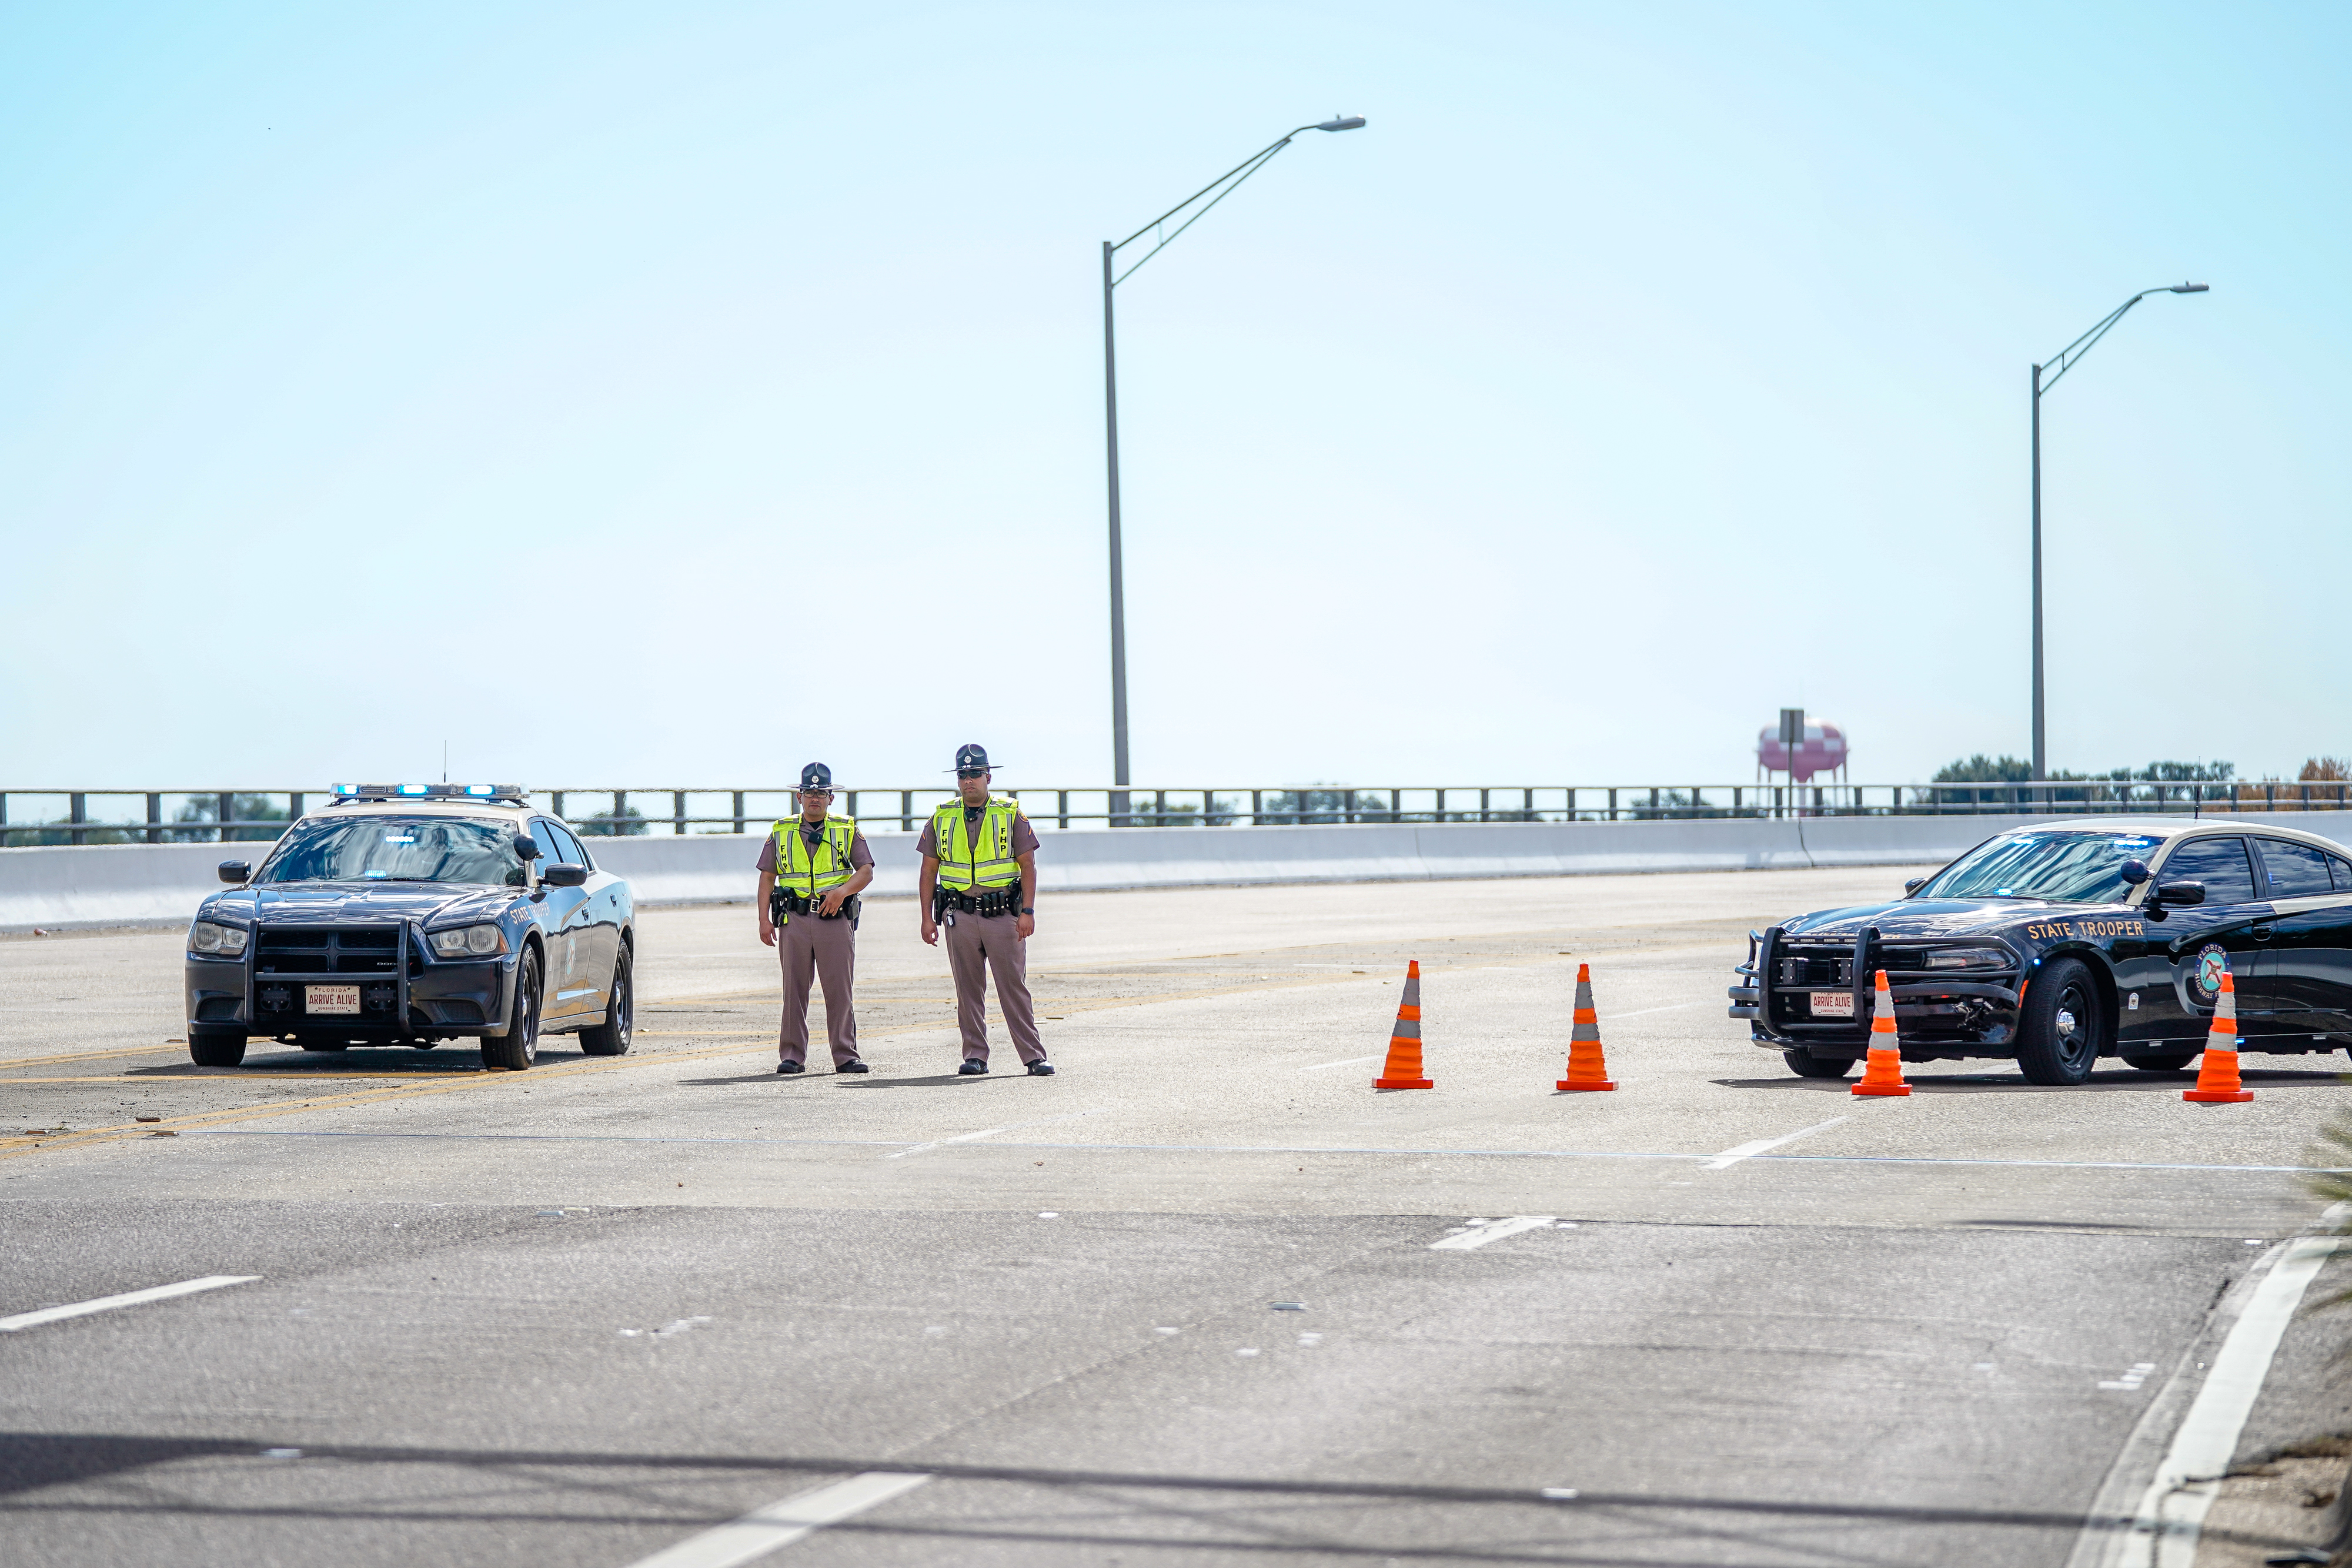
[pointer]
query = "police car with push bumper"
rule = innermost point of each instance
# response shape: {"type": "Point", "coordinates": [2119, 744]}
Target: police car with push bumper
{"type": "Point", "coordinates": [412, 914]}
{"type": "Point", "coordinates": [2065, 941]}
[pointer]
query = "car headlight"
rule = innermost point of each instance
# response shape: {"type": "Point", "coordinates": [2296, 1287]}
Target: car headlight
{"type": "Point", "coordinates": [474, 941]}
{"type": "Point", "coordinates": [204, 936]}
{"type": "Point", "coordinates": [1969, 959]}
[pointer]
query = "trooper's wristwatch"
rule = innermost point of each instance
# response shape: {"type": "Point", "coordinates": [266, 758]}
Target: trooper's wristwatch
{"type": "Point", "coordinates": [1030, 909]}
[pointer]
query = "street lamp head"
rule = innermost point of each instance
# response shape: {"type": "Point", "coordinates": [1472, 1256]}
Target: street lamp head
{"type": "Point", "coordinates": [1356, 122]}
{"type": "Point", "coordinates": [2189, 289]}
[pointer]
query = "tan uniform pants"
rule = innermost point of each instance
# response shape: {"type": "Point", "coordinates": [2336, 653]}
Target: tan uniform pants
{"type": "Point", "coordinates": [826, 950]}
{"type": "Point", "coordinates": [995, 941]}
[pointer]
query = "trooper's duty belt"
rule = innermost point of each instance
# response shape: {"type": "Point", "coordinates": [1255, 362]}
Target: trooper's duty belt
{"type": "Point", "coordinates": [983, 902]}
{"type": "Point", "coordinates": [783, 901]}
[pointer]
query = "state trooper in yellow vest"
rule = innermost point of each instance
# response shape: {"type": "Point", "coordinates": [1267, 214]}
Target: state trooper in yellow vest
{"type": "Point", "coordinates": [812, 868]}
{"type": "Point", "coordinates": [979, 883]}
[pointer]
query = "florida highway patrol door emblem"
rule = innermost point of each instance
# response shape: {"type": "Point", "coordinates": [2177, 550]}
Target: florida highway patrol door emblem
{"type": "Point", "coordinates": [2212, 965]}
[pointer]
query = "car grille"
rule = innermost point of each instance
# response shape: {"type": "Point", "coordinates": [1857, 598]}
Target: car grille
{"type": "Point", "coordinates": [327, 950]}
{"type": "Point", "coordinates": [1820, 963]}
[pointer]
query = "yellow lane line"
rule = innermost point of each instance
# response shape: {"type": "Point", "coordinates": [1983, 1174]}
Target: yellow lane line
{"type": "Point", "coordinates": [6, 1062]}
{"type": "Point", "coordinates": [271, 1078]}
{"type": "Point", "coordinates": [16, 1147]}
{"type": "Point", "coordinates": [708, 1033]}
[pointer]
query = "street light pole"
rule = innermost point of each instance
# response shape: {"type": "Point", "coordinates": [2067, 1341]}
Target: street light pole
{"type": "Point", "coordinates": [1207, 196]}
{"type": "Point", "coordinates": [1117, 568]}
{"type": "Point", "coordinates": [2040, 749]}
{"type": "Point", "coordinates": [2063, 360]}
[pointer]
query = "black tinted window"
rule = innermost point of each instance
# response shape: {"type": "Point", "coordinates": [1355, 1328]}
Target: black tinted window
{"type": "Point", "coordinates": [573, 853]}
{"type": "Point", "coordinates": [2220, 863]}
{"type": "Point", "coordinates": [551, 848]}
{"type": "Point", "coordinates": [396, 848]}
{"type": "Point", "coordinates": [2296, 870]}
{"type": "Point", "coordinates": [2342, 868]}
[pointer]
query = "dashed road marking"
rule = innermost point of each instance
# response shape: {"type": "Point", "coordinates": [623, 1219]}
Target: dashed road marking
{"type": "Point", "coordinates": [1493, 1230]}
{"type": "Point", "coordinates": [128, 1299]}
{"type": "Point", "coordinates": [993, 1131]}
{"type": "Point", "coordinates": [1730, 1157]}
{"type": "Point", "coordinates": [765, 1530]}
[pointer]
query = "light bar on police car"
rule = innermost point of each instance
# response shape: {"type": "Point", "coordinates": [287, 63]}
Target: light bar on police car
{"type": "Point", "coordinates": [429, 791]}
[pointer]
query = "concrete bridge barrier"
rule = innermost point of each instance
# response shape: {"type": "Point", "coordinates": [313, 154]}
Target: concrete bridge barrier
{"type": "Point", "coordinates": [67, 888]}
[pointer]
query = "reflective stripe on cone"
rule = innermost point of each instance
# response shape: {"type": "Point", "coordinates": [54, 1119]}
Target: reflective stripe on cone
{"type": "Point", "coordinates": [2217, 1074]}
{"type": "Point", "coordinates": [1883, 1073]}
{"type": "Point", "coordinates": [1404, 1070]}
{"type": "Point", "coordinates": [1587, 1068]}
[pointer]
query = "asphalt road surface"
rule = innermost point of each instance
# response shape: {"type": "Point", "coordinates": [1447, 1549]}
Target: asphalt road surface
{"type": "Point", "coordinates": [1205, 1297]}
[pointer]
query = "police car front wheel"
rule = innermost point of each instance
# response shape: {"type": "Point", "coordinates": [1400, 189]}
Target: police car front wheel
{"type": "Point", "coordinates": [2063, 1019]}
{"type": "Point", "coordinates": [215, 1048]}
{"type": "Point", "coordinates": [518, 1048]}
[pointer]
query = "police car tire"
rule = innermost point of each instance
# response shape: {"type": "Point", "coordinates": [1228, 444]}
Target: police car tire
{"type": "Point", "coordinates": [1805, 1064]}
{"type": "Point", "coordinates": [518, 1048]}
{"type": "Point", "coordinates": [2044, 1057]}
{"type": "Point", "coordinates": [215, 1048]}
{"type": "Point", "coordinates": [2161, 1060]}
{"type": "Point", "coordinates": [610, 1037]}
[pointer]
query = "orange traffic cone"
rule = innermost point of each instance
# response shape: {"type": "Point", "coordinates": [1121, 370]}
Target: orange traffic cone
{"type": "Point", "coordinates": [1404, 1071]}
{"type": "Point", "coordinates": [1585, 1067]}
{"type": "Point", "coordinates": [2217, 1075]}
{"type": "Point", "coordinates": [1883, 1074]}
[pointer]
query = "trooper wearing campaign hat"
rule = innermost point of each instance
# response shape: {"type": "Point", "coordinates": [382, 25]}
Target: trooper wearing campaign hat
{"type": "Point", "coordinates": [980, 884]}
{"type": "Point", "coordinates": [812, 868]}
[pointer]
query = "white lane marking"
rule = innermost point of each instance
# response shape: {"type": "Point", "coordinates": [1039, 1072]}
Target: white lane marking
{"type": "Point", "coordinates": [1669, 1007]}
{"type": "Point", "coordinates": [1730, 1157]}
{"type": "Point", "coordinates": [128, 1299]}
{"type": "Point", "coordinates": [1494, 1230]}
{"type": "Point", "coordinates": [778, 1524]}
{"type": "Point", "coordinates": [2172, 1512]}
{"type": "Point", "coordinates": [1351, 1061]}
{"type": "Point", "coordinates": [992, 1132]}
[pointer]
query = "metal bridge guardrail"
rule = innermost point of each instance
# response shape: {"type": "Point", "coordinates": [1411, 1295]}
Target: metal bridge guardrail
{"type": "Point", "coordinates": [208, 816]}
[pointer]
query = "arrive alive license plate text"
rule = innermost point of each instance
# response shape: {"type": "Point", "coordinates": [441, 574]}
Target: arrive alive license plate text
{"type": "Point", "coordinates": [1826, 1004]}
{"type": "Point", "coordinates": [346, 999]}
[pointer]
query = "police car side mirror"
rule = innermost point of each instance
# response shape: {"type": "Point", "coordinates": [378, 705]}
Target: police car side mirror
{"type": "Point", "coordinates": [526, 849]}
{"type": "Point", "coordinates": [2184, 893]}
{"type": "Point", "coordinates": [1913, 885]}
{"type": "Point", "coordinates": [236, 872]}
{"type": "Point", "coordinates": [564, 874]}
{"type": "Point", "coordinates": [2133, 873]}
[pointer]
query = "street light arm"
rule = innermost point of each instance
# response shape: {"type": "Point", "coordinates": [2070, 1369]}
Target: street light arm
{"type": "Point", "coordinates": [1230, 180]}
{"type": "Point", "coordinates": [2064, 359]}
{"type": "Point", "coordinates": [1224, 184]}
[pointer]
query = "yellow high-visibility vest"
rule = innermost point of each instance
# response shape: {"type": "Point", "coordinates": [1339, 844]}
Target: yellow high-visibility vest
{"type": "Point", "coordinates": [967, 861]}
{"type": "Point", "coordinates": [811, 872]}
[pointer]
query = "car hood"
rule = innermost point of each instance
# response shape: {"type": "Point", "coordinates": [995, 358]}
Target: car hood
{"type": "Point", "coordinates": [1940, 917]}
{"type": "Point", "coordinates": [358, 903]}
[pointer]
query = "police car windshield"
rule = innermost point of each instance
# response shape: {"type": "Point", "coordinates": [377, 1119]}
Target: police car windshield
{"type": "Point", "coordinates": [2066, 868]}
{"type": "Point", "coordinates": [396, 848]}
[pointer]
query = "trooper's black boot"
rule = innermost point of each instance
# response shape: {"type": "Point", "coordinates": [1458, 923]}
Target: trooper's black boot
{"type": "Point", "coordinates": [853, 1065]}
{"type": "Point", "coordinates": [1040, 1068]}
{"type": "Point", "coordinates": [972, 1067]}
{"type": "Point", "coordinates": [790, 1067]}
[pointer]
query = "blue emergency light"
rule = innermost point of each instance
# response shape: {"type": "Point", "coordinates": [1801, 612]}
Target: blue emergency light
{"type": "Point", "coordinates": [510, 793]}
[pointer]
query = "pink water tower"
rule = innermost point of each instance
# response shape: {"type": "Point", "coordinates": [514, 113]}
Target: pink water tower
{"type": "Point", "coordinates": [1801, 747]}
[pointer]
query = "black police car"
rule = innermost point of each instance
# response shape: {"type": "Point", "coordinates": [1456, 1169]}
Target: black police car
{"type": "Point", "coordinates": [2063, 941]}
{"type": "Point", "coordinates": [410, 915]}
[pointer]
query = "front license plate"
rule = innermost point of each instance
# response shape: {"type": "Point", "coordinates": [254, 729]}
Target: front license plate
{"type": "Point", "coordinates": [1826, 1004]}
{"type": "Point", "coordinates": [330, 998]}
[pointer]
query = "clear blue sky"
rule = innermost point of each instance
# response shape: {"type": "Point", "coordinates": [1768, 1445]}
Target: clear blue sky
{"type": "Point", "coordinates": [656, 395]}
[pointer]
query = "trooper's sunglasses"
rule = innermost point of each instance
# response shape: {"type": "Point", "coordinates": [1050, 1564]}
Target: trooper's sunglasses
{"type": "Point", "coordinates": [971, 772]}
{"type": "Point", "coordinates": [818, 794]}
